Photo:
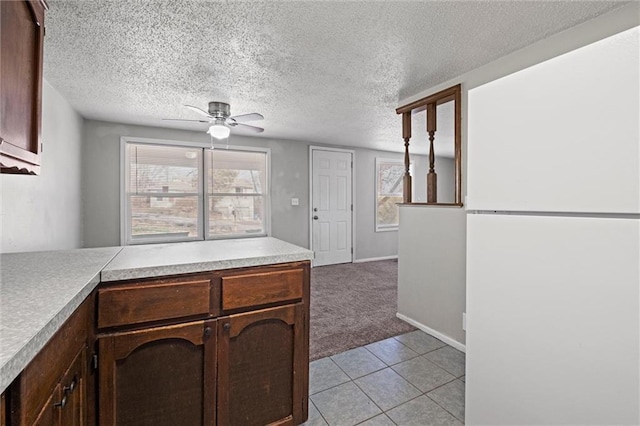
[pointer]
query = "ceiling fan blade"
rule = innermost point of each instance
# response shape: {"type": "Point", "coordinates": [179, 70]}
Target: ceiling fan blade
{"type": "Point", "coordinates": [199, 111]}
{"type": "Point", "coordinates": [243, 118]}
{"type": "Point", "coordinates": [247, 128]}
{"type": "Point", "coordinates": [182, 119]}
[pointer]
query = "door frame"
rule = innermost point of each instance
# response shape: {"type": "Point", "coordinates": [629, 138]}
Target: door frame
{"type": "Point", "coordinates": [353, 192]}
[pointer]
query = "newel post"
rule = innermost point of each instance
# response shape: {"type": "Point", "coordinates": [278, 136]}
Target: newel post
{"type": "Point", "coordinates": [406, 135]}
{"type": "Point", "coordinates": [432, 177]}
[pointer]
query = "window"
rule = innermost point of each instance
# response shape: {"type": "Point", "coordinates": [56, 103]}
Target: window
{"type": "Point", "coordinates": [236, 182]}
{"type": "Point", "coordinates": [174, 192]}
{"type": "Point", "coordinates": [389, 184]}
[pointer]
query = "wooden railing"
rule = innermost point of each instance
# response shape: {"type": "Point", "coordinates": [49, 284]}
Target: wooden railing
{"type": "Point", "coordinates": [429, 104]}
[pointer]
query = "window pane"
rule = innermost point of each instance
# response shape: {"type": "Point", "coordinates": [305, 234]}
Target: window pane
{"type": "Point", "coordinates": [390, 179]}
{"type": "Point", "coordinates": [389, 188]}
{"type": "Point", "coordinates": [167, 169]}
{"type": "Point", "coordinates": [236, 215]}
{"type": "Point", "coordinates": [164, 216]}
{"type": "Point", "coordinates": [236, 172]}
{"type": "Point", "coordinates": [388, 213]}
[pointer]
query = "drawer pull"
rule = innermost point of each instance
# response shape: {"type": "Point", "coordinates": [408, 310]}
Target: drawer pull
{"type": "Point", "coordinates": [71, 387]}
{"type": "Point", "coordinates": [62, 402]}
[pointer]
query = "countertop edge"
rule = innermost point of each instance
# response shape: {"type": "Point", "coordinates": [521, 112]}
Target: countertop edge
{"type": "Point", "coordinates": [189, 268]}
{"type": "Point", "coordinates": [14, 366]}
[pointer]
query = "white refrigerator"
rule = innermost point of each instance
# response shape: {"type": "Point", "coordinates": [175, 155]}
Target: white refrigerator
{"type": "Point", "coordinates": [553, 241]}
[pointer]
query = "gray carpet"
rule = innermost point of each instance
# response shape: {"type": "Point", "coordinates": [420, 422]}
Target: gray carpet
{"type": "Point", "coordinates": [353, 304]}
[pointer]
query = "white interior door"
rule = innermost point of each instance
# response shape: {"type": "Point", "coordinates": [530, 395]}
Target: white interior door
{"type": "Point", "coordinates": [331, 206]}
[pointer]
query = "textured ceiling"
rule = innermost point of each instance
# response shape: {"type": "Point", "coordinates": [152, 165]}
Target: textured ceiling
{"type": "Point", "coordinates": [319, 71]}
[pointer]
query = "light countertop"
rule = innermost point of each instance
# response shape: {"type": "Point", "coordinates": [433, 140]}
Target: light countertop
{"type": "Point", "coordinates": [154, 260]}
{"type": "Point", "coordinates": [40, 290]}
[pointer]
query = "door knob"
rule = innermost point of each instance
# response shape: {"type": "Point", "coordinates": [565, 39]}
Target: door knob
{"type": "Point", "coordinates": [315, 209]}
{"type": "Point", "coordinates": [315, 218]}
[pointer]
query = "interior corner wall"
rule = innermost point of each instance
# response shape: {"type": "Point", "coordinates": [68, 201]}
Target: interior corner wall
{"type": "Point", "coordinates": [44, 212]}
{"type": "Point", "coordinates": [289, 179]}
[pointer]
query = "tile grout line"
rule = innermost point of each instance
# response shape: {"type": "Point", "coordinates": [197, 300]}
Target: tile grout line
{"type": "Point", "coordinates": [319, 412]}
{"type": "Point", "coordinates": [436, 402]}
{"type": "Point", "coordinates": [362, 390]}
{"type": "Point", "coordinates": [387, 365]}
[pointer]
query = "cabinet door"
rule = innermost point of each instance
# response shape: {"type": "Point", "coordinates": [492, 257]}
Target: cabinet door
{"type": "Point", "coordinates": [74, 392]}
{"type": "Point", "coordinates": [158, 376]}
{"type": "Point", "coordinates": [262, 367]}
{"type": "Point", "coordinates": [21, 40]}
{"type": "Point", "coordinates": [50, 413]}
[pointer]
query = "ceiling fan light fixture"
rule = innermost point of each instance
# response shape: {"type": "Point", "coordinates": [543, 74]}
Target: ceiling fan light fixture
{"type": "Point", "coordinates": [219, 130]}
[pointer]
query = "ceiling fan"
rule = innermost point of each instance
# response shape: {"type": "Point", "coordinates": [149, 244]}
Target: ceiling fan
{"type": "Point", "coordinates": [219, 116]}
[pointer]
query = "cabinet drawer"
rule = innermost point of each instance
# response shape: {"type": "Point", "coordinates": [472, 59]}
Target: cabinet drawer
{"type": "Point", "coordinates": [152, 301]}
{"type": "Point", "coordinates": [243, 291]}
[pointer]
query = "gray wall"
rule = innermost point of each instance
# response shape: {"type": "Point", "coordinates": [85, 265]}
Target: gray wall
{"type": "Point", "coordinates": [371, 244]}
{"type": "Point", "coordinates": [432, 283]}
{"type": "Point", "coordinates": [44, 212]}
{"type": "Point", "coordinates": [289, 178]}
{"type": "Point", "coordinates": [101, 180]}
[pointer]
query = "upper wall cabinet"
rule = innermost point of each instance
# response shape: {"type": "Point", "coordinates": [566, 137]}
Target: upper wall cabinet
{"type": "Point", "coordinates": [21, 42]}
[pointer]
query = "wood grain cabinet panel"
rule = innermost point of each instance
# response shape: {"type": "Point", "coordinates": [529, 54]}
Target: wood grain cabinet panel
{"type": "Point", "coordinates": [21, 46]}
{"type": "Point", "coordinates": [38, 393]}
{"type": "Point", "coordinates": [159, 376]}
{"type": "Point", "coordinates": [3, 410]}
{"type": "Point", "coordinates": [262, 288]}
{"type": "Point", "coordinates": [261, 361]}
{"type": "Point", "coordinates": [142, 302]}
{"type": "Point", "coordinates": [74, 393]}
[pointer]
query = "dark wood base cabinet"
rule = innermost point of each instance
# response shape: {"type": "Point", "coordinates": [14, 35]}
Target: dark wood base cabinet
{"type": "Point", "coordinates": [223, 348]}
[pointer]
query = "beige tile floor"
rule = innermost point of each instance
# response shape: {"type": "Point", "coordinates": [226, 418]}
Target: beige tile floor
{"type": "Point", "coordinates": [411, 379]}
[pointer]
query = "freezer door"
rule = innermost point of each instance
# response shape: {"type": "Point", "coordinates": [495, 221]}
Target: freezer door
{"type": "Point", "coordinates": [552, 320]}
{"type": "Point", "coordinates": [560, 136]}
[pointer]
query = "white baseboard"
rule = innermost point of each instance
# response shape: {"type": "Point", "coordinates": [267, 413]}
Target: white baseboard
{"type": "Point", "coordinates": [373, 259]}
{"type": "Point", "coordinates": [448, 340]}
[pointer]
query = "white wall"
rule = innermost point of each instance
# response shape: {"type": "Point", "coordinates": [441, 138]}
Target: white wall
{"type": "Point", "coordinates": [290, 178]}
{"type": "Point", "coordinates": [431, 287]}
{"type": "Point", "coordinates": [44, 212]}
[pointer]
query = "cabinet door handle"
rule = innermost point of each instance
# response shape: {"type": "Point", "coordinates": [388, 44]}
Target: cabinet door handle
{"type": "Point", "coordinates": [207, 331]}
{"type": "Point", "coordinates": [62, 402]}
{"type": "Point", "coordinates": [71, 387]}
{"type": "Point", "coordinates": [226, 326]}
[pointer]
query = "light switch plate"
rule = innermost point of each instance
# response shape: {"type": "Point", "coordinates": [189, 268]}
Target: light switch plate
{"type": "Point", "coordinates": [295, 202]}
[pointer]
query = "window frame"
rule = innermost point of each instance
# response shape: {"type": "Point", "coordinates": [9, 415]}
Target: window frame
{"type": "Point", "coordinates": [203, 194]}
{"type": "Point", "coordinates": [265, 193]}
{"type": "Point", "coordinates": [380, 161]}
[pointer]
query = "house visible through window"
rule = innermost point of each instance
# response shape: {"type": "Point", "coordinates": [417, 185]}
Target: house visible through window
{"type": "Point", "coordinates": [182, 193]}
{"type": "Point", "coordinates": [389, 185]}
